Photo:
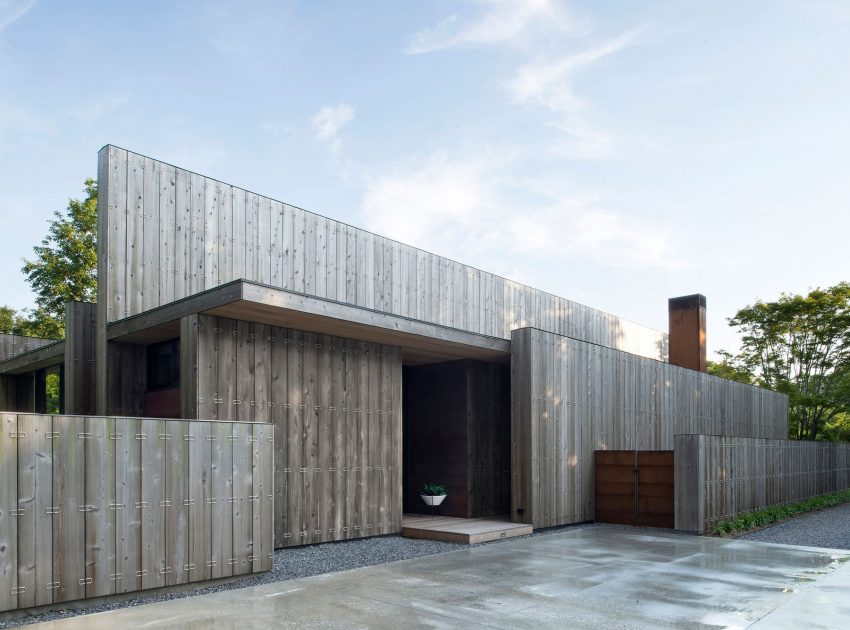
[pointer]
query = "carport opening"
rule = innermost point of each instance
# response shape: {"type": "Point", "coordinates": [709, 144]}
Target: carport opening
{"type": "Point", "coordinates": [456, 428]}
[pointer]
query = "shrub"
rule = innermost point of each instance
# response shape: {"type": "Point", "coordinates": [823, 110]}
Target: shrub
{"type": "Point", "coordinates": [775, 513]}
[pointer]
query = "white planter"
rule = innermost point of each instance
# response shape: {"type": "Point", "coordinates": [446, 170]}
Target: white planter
{"type": "Point", "coordinates": [434, 501]}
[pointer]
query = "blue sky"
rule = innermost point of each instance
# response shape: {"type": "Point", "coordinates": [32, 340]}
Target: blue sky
{"type": "Point", "coordinates": [615, 153]}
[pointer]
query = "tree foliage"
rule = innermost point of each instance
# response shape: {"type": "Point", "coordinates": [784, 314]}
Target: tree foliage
{"type": "Point", "coordinates": [728, 368]}
{"type": "Point", "coordinates": [64, 268]}
{"type": "Point", "coordinates": [800, 345]}
{"type": "Point", "coordinates": [7, 319]}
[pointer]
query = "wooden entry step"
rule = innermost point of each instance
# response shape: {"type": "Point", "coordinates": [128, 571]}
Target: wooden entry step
{"type": "Point", "coordinates": [461, 530]}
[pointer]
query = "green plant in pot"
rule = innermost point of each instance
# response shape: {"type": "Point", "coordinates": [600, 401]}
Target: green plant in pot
{"type": "Point", "coordinates": [433, 493]}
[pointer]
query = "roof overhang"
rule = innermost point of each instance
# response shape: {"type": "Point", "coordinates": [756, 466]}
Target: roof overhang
{"type": "Point", "coordinates": [38, 359]}
{"type": "Point", "coordinates": [422, 342]}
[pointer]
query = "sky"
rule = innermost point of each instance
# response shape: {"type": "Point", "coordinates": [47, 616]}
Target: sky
{"type": "Point", "coordinates": [614, 153]}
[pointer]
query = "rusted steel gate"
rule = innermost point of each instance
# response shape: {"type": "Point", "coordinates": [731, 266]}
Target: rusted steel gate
{"type": "Point", "coordinates": [634, 487]}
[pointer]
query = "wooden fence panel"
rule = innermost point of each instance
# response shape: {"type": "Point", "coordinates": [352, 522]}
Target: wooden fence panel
{"type": "Point", "coordinates": [722, 477]}
{"type": "Point", "coordinates": [91, 506]}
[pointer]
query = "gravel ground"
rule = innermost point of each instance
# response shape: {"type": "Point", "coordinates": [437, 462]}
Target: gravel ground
{"type": "Point", "coordinates": [294, 563]}
{"type": "Point", "coordinates": [828, 528]}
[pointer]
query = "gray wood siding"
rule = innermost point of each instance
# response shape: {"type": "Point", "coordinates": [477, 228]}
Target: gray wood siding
{"type": "Point", "coordinates": [80, 322]}
{"type": "Point", "coordinates": [12, 345]}
{"type": "Point", "coordinates": [127, 378]}
{"type": "Point", "coordinates": [724, 477]}
{"type": "Point", "coordinates": [336, 408]}
{"type": "Point", "coordinates": [166, 233]}
{"type": "Point", "coordinates": [93, 506]}
{"type": "Point", "coordinates": [570, 398]}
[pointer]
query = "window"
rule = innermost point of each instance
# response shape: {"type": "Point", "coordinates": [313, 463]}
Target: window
{"type": "Point", "coordinates": [164, 365]}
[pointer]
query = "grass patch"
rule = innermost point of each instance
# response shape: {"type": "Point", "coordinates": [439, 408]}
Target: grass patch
{"type": "Point", "coordinates": [768, 516]}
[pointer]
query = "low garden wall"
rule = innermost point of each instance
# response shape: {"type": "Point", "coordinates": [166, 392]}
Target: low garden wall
{"type": "Point", "coordinates": [719, 478]}
{"type": "Point", "coordinates": [93, 506]}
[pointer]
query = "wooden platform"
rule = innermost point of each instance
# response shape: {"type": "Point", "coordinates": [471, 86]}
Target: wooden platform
{"type": "Point", "coordinates": [461, 530]}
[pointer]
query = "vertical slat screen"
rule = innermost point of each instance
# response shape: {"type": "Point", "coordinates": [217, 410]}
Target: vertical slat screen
{"type": "Point", "coordinates": [736, 475]}
{"type": "Point", "coordinates": [94, 506]}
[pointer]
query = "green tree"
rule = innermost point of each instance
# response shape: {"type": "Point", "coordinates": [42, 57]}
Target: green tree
{"type": "Point", "coordinates": [800, 345]}
{"type": "Point", "coordinates": [7, 319]}
{"type": "Point", "coordinates": [64, 267]}
{"type": "Point", "coordinates": [728, 368]}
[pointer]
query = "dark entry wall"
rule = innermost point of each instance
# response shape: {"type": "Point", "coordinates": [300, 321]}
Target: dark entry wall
{"type": "Point", "coordinates": [457, 433]}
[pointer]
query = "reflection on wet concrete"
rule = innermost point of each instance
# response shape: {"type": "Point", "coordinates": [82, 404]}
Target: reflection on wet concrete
{"type": "Point", "coordinates": [596, 577]}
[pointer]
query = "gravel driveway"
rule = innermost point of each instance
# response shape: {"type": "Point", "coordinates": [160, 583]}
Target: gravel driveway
{"type": "Point", "coordinates": [828, 528]}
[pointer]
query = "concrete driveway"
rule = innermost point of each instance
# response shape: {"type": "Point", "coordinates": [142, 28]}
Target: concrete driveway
{"type": "Point", "coordinates": [595, 577]}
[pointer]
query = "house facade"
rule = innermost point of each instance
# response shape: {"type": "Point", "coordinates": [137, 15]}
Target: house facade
{"type": "Point", "coordinates": [381, 366]}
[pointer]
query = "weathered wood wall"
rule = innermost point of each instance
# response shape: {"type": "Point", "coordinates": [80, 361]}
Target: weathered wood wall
{"type": "Point", "coordinates": [166, 233]}
{"type": "Point", "coordinates": [457, 433]}
{"type": "Point", "coordinates": [11, 345]}
{"type": "Point", "coordinates": [18, 391]}
{"type": "Point", "coordinates": [79, 374]}
{"type": "Point", "coordinates": [724, 477]}
{"type": "Point", "coordinates": [127, 379]}
{"type": "Point", "coordinates": [336, 407]}
{"type": "Point", "coordinates": [570, 398]}
{"type": "Point", "coordinates": [93, 506]}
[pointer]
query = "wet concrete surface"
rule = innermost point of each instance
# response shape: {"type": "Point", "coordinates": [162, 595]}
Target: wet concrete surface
{"type": "Point", "coordinates": [595, 577]}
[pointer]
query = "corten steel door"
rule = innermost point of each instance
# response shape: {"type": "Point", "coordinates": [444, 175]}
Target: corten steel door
{"type": "Point", "coordinates": [634, 488]}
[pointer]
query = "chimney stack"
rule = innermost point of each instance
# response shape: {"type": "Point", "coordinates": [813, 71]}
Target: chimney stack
{"type": "Point", "coordinates": [687, 331]}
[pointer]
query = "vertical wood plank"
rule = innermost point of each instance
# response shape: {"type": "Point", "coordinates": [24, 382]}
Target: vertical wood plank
{"type": "Point", "coordinates": [8, 507]}
{"type": "Point", "coordinates": [243, 500]}
{"type": "Point", "coordinates": [246, 366]}
{"type": "Point", "coordinates": [150, 263]}
{"type": "Point", "coordinates": [69, 497]}
{"type": "Point", "coordinates": [168, 226]}
{"type": "Point", "coordinates": [153, 502]}
{"type": "Point", "coordinates": [128, 516]}
{"type": "Point", "coordinates": [200, 505]}
{"type": "Point", "coordinates": [221, 470]}
{"type": "Point", "coordinates": [177, 498]}
{"type": "Point", "coordinates": [99, 501]}
{"type": "Point", "coordinates": [35, 498]}
{"type": "Point", "coordinates": [263, 510]}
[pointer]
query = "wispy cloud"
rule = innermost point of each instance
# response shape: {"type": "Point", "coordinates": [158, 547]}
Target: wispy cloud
{"type": "Point", "coordinates": [548, 63]}
{"type": "Point", "coordinates": [502, 22]}
{"type": "Point", "coordinates": [551, 84]}
{"type": "Point", "coordinates": [475, 206]}
{"type": "Point", "coordinates": [329, 121]}
{"type": "Point", "coordinates": [13, 10]}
